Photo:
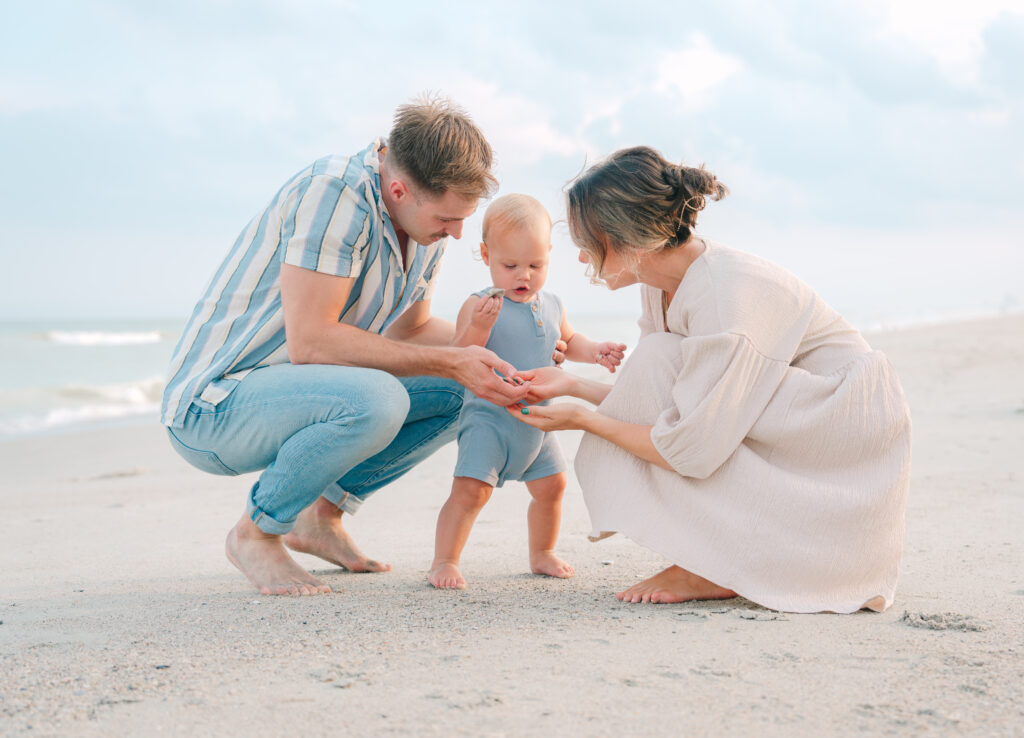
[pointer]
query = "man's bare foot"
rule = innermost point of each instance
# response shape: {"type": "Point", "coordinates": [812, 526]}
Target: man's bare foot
{"type": "Point", "coordinates": [318, 531]}
{"type": "Point", "coordinates": [262, 558]}
{"type": "Point", "coordinates": [675, 584]}
{"type": "Point", "coordinates": [446, 575]}
{"type": "Point", "coordinates": [546, 563]}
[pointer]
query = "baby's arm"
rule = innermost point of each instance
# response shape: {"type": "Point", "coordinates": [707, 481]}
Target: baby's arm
{"type": "Point", "coordinates": [580, 348]}
{"type": "Point", "coordinates": [476, 318]}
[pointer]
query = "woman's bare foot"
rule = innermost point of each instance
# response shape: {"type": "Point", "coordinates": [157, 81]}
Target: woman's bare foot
{"type": "Point", "coordinates": [446, 575]}
{"type": "Point", "coordinates": [318, 531]}
{"type": "Point", "coordinates": [546, 563]}
{"type": "Point", "coordinates": [675, 584]}
{"type": "Point", "coordinates": [262, 558]}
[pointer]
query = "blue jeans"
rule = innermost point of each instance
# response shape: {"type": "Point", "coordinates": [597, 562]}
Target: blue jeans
{"type": "Point", "coordinates": [318, 430]}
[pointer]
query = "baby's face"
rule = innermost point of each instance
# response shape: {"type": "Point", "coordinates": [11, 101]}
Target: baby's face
{"type": "Point", "coordinates": [518, 259]}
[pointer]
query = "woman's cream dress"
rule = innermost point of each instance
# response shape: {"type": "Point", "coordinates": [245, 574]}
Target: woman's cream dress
{"type": "Point", "coordinates": [789, 437]}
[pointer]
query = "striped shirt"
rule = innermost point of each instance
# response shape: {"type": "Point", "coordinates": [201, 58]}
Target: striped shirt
{"type": "Point", "coordinates": [328, 218]}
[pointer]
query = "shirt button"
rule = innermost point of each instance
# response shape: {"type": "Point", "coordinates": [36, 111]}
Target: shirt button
{"type": "Point", "coordinates": [540, 322]}
{"type": "Point", "coordinates": [534, 307]}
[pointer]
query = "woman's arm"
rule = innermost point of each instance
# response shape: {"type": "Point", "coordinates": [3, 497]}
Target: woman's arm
{"type": "Point", "coordinates": [629, 436]}
{"type": "Point", "coordinates": [550, 381]}
{"type": "Point", "coordinates": [632, 437]}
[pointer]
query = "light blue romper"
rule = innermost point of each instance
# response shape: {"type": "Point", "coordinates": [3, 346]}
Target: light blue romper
{"type": "Point", "coordinates": [494, 446]}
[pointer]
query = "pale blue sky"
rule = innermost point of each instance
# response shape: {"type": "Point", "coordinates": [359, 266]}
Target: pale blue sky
{"type": "Point", "coordinates": [876, 147]}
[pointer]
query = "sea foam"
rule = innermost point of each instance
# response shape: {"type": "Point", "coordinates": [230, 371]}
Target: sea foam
{"type": "Point", "coordinates": [77, 404]}
{"type": "Point", "coordinates": [103, 338]}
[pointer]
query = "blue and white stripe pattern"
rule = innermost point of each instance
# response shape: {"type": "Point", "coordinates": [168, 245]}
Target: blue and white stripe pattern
{"type": "Point", "coordinates": [329, 218]}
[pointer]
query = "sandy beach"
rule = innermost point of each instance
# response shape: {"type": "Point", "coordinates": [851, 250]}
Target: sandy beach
{"type": "Point", "coordinates": [120, 616]}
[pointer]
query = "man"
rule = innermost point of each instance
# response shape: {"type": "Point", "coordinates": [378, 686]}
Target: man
{"type": "Point", "coordinates": [313, 355]}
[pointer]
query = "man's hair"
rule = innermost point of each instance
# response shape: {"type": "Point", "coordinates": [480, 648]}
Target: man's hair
{"type": "Point", "coordinates": [434, 143]}
{"type": "Point", "coordinates": [514, 211]}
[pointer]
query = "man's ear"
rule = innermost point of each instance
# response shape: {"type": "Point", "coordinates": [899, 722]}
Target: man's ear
{"type": "Point", "coordinates": [483, 253]}
{"type": "Point", "coordinates": [398, 189]}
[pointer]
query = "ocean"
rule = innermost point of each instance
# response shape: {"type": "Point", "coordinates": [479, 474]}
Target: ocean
{"type": "Point", "coordinates": [68, 374]}
{"type": "Point", "coordinates": [65, 375]}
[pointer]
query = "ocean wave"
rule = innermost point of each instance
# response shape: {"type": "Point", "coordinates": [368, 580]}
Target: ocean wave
{"type": "Point", "coordinates": [70, 416]}
{"type": "Point", "coordinates": [41, 409]}
{"type": "Point", "coordinates": [103, 338]}
{"type": "Point", "coordinates": [140, 392]}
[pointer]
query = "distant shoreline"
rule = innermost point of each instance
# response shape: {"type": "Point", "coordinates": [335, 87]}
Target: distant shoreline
{"type": "Point", "coordinates": [136, 416]}
{"type": "Point", "coordinates": [166, 325]}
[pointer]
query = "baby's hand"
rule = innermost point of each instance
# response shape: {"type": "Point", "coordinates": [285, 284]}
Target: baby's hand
{"type": "Point", "coordinates": [486, 312]}
{"type": "Point", "coordinates": [609, 354]}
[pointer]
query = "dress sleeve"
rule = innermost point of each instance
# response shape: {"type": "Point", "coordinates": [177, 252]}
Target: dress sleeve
{"type": "Point", "coordinates": [646, 321]}
{"type": "Point", "coordinates": [722, 387]}
{"type": "Point", "coordinates": [325, 227]}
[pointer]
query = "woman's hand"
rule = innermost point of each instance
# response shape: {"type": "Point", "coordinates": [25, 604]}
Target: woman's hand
{"type": "Point", "coordinates": [550, 417]}
{"type": "Point", "coordinates": [546, 382]}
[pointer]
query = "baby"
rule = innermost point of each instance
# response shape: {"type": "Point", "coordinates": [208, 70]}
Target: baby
{"type": "Point", "coordinates": [522, 327]}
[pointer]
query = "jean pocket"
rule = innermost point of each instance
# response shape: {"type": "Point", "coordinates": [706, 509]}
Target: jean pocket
{"type": "Point", "coordinates": [206, 461]}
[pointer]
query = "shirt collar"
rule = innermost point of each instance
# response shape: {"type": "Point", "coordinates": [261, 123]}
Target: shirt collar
{"type": "Point", "coordinates": [372, 163]}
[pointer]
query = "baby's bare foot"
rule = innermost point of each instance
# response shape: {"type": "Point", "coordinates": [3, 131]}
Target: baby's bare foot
{"type": "Point", "coordinates": [262, 558]}
{"type": "Point", "coordinates": [446, 575]}
{"type": "Point", "coordinates": [675, 584]}
{"type": "Point", "coordinates": [546, 563]}
{"type": "Point", "coordinates": [318, 531]}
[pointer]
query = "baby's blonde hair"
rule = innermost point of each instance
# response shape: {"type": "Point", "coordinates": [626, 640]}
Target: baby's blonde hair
{"type": "Point", "coordinates": [513, 211]}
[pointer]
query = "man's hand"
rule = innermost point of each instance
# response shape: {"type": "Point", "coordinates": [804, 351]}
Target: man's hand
{"type": "Point", "coordinates": [474, 369]}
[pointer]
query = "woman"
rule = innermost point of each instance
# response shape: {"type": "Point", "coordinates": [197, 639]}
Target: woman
{"type": "Point", "coordinates": [753, 437]}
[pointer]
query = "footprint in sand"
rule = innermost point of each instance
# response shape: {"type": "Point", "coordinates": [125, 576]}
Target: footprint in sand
{"type": "Point", "coordinates": [942, 621]}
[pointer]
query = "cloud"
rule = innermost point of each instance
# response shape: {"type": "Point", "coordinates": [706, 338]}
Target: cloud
{"type": "Point", "coordinates": [185, 117]}
{"type": "Point", "coordinates": [21, 96]}
{"type": "Point", "coordinates": [694, 71]}
{"type": "Point", "coordinates": [950, 32]}
{"type": "Point", "coordinates": [518, 127]}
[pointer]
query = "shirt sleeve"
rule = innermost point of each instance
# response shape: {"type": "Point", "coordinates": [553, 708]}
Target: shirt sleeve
{"type": "Point", "coordinates": [325, 227]}
{"type": "Point", "coordinates": [723, 386]}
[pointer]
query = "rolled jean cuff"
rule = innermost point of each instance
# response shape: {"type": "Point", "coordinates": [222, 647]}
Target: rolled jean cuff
{"type": "Point", "coordinates": [266, 523]}
{"type": "Point", "coordinates": [345, 501]}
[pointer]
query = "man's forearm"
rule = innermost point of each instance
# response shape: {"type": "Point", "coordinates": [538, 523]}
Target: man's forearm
{"type": "Point", "coordinates": [346, 345]}
{"type": "Point", "coordinates": [433, 332]}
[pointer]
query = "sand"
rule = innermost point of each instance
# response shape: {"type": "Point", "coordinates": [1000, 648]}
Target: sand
{"type": "Point", "coordinates": [121, 616]}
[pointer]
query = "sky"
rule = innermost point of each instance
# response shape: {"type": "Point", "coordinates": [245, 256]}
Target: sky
{"type": "Point", "coordinates": [875, 148]}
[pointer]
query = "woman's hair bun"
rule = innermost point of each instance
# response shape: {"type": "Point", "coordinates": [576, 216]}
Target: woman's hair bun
{"type": "Point", "coordinates": [693, 186]}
